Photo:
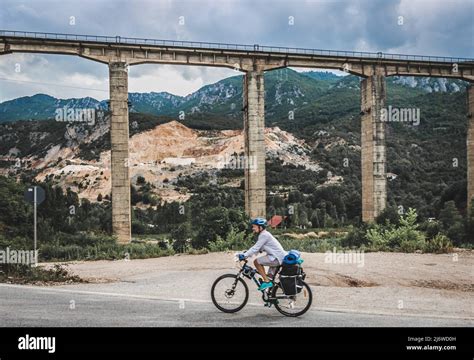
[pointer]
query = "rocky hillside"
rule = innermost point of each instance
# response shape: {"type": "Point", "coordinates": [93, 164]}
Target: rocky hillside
{"type": "Point", "coordinates": [160, 155]}
{"type": "Point", "coordinates": [427, 162]}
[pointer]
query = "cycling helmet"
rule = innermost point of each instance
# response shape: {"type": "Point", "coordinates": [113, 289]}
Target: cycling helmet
{"type": "Point", "coordinates": [259, 221]}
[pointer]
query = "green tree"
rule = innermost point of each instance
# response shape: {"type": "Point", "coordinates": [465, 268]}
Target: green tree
{"type": "Point", "coordinates": [214, 222]}
{"type": "Point", "coordinates": [295, 196]}
{"type": "Point", "coordinates": [181, 235]}
{"type": "Point", "coordinates": [390, 214]}
{"type": "Point", "coordinates": [452, 222]}
{"type": "Point", "coordinates": [308, 187]}
{"type": "Point", "coordinates": [315, 219]}
{"type": "Point", "coordinates": [456, 233]}
{"type": "Point", "coordinates": [449, 215]}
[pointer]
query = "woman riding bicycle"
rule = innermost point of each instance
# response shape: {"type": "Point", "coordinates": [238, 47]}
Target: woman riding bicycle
{"type": "Point", "coordinates": [265, 242]}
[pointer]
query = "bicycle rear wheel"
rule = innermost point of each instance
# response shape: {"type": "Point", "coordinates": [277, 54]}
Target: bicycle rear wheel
{"type": "Point", "coordinates": [229, 293]}
{"type": "Point", "coordinates": [295, 305]}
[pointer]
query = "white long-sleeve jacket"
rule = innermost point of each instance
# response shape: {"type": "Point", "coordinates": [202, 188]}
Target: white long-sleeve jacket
{"type": "Point", "coordinates": [267, 242]}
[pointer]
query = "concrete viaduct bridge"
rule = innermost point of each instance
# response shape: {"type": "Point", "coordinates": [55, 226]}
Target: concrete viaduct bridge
{"type": "Point", "coordinates": [253, 60]}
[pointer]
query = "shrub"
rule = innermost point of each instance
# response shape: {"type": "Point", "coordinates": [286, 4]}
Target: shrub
{"type": "Point", "coordinates": [310, 245]}
{"type": "Point", "coordinates": [20, 273]}
{"type": "Point", "coordinates": [356, 237]}
{"type": "Point", "coordinates": [218, 245]}
{"type": "Point", "coordinates": [413, 245]}
{"type": "Point", "coordinates": [138, 227]}
{"type": "Point", "coordinates": [102, 251]}
{"type": "Point", "coordinates": [83, 238]}
{"type": "Point", "coordinates": [239, 239]}
{"type": "Point", "coordinates": [405, 237]}
{"type": "Point", "coordinates": [439, 244]}
{"type": "Point", "coordinates": [432, 228]}
{"type": "Point", "coordinates": [456, 233]}
{"type": "Point", "coordinates": [389, 214]}
{"type": "Point", "coordinates": [182, 237]}
{"type": "Point", "coordinates": [378, 238]}
{"type": "Point", "coordinates": [235, 240]}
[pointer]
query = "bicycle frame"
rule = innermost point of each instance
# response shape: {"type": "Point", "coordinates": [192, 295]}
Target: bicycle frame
{"type": "Point", "coordinates": [250, 272]}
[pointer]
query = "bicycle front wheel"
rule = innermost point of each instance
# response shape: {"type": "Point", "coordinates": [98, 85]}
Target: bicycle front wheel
{"type": "Point", "coordinates": [229, 293]}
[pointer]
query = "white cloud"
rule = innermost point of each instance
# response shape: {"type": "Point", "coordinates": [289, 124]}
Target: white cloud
{"type": "Point", "coordinates": [174, 79]}
{"type": "Point", "coordinates": [433, 27]}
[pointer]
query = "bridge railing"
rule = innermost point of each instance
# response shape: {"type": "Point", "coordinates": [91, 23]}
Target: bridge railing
{"type": "Point", "coordinates": [223, 46]}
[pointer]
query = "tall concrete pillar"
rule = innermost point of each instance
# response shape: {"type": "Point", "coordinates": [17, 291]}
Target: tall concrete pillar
{"type": "Point", "coordinates": [470, 145]}
{"type": "Point", "coordinates": [373, 156]}
{"type": "Point", "coordinates": [254, 125]}
{"type": "Point", "coordinates": [121, 210]}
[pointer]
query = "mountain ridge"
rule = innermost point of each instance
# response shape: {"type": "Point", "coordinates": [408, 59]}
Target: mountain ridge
{"type": "Point", "coordinates": [286, 89]}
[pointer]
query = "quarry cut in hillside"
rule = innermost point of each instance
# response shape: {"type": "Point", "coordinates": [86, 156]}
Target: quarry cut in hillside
{"type": "Point", "coordinates": [161, 155]}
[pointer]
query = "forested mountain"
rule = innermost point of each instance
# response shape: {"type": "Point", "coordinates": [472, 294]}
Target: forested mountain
{"type": "Point", "coordinates": [426, 161]}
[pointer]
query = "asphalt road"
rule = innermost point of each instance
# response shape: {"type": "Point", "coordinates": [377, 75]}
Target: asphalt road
{"type": "Point", "coordinates": [28, 306]}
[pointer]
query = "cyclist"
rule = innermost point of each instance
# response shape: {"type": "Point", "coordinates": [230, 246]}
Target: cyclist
{"type": "Point", "coordinates": [274, 251]}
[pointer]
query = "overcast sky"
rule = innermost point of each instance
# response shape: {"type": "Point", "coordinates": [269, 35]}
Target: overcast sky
{"type": "Point", "coordinates": [429, 27]}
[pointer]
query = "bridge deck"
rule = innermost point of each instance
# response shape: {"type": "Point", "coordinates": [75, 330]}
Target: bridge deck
{"type": "Point", "coordinates": [7, 36]}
